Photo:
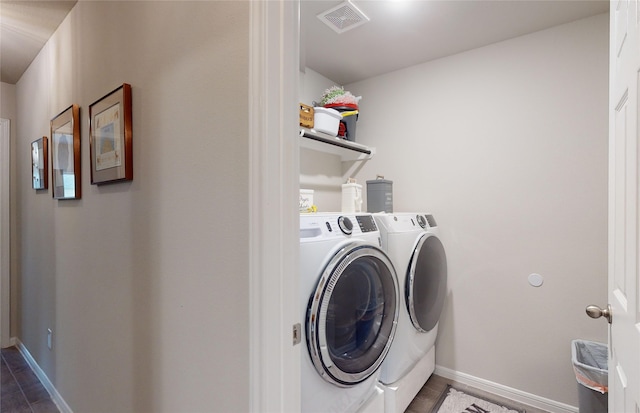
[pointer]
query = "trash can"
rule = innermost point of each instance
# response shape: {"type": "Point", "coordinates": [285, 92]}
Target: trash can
{"type": "Point", "coordinates": [592, 373]}
{"type": "Point", "coordinates": [349, 112]}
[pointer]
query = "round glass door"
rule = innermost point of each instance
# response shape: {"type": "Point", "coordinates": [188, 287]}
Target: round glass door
{"type": "Point", "coordinates": [426, 285]}
{"type": "Point", "coordinates": [352, 315]}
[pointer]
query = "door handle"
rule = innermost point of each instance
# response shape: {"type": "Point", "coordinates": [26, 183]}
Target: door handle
{"type": "Point", "coordinates": [594, 311]}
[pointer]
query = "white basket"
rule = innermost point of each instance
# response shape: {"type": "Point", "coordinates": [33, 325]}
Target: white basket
{"type": "Point", "coordinates": [326, 120]}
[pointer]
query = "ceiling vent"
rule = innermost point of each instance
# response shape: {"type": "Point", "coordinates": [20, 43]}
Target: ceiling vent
{"type": "Point", "coordinates": [345, 16]}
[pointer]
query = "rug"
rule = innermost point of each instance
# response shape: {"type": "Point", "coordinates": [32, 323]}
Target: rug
{"type": "Point", "coordinates": [453, 400]}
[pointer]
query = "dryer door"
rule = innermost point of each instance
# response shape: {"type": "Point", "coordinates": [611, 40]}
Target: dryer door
{"type": "Point", "coordinates": [426, 284]}
{"type": "Point", "coordinates": [352, 315]}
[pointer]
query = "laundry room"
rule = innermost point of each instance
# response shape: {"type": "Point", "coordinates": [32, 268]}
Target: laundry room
{"type": "Point", "coordinates": [505, 144]}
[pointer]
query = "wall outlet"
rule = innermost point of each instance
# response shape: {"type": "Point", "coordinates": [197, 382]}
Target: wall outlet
{"type": "Point", "coordinates": [49, 338]}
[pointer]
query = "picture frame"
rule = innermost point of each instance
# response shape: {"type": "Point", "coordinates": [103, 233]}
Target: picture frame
{"type": "Point", "coordinates": [110, 137]}
{"type": "Point", "coordinates": [39, 164]}
{"type": "Point", "coordinates": [65, 154]}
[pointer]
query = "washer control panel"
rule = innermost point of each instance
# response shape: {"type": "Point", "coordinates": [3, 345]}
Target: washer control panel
{"type": "Point", "coordinates": [366, 223]}
{"type": "Point", "coordinates": [332, 224]}
{"type": "Point", "coordinates": [345, 225]}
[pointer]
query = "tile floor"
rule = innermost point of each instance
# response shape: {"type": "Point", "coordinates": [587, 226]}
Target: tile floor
{"type": "Point", "coordinates": [428, 396]}
{"type": "Point", "coordinates": [20, 389]}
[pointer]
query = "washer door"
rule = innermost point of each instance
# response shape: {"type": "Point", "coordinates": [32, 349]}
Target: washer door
{"type": "Point", "coordinates": [426, 285]}
{"type": "Point", "coordinates": [352, 315]}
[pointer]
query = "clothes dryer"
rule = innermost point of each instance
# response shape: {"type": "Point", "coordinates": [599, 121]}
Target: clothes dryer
{"type": "Point", "coordinates": [411, 241]}
{"type": "Point", "coordinates": [349, 304]}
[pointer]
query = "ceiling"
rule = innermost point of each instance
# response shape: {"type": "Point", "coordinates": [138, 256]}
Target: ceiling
{"type": "Point", "coordinates": [403, 33]}
{"type": "Point", "coordinates": [400, 33]}
{"type": "Point", "coordinates": [25, 26]}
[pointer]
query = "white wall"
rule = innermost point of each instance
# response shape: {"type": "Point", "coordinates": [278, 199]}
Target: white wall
{"type": "Point", "coordinates": [312, 85]}
{"type": "Point", "coordinates": [507, 146]}
{"type": "Point", "coordinates": [7, 101]}
{"type": "Point", "coordinates": [145, 284]}
{"type": "Point", "coordinates": [8, 111]}
{"type": "Point", "coordinates": [319, 171]}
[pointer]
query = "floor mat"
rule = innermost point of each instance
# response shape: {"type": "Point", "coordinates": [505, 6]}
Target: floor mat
{"type": "Point", "coordinates": [453, 400]}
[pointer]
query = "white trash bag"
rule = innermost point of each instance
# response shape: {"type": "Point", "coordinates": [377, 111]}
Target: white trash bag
{"type": "Point", "coordinates": [590, 364]}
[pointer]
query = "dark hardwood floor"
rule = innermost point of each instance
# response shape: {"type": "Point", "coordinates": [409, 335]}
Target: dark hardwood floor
{"type": "Point", "coordinates": [20, 389]}
{"type": "Point", "coordinates": [22, 392]}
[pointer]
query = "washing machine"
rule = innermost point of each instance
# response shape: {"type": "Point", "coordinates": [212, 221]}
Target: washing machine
{"type": "Point", "coordinates": [350, 304]}
{"type": "Point", "coordinates": [411, 241]}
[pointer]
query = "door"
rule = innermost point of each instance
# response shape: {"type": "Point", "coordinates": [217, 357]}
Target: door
{"type": "Point", "coordinates": [623, 288]}
{"type": "Point", "coordinates": [5, 135]}
{"type": "Point", "coordinates": [352, 314]}
{"type": "Point", "coordinates": [426, 283]}
{"type": "Point", "coordinates": [273, 173]}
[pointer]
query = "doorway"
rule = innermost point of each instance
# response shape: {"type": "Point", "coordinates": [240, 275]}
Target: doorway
{"type": "Point", "coordinates": [5, 267]}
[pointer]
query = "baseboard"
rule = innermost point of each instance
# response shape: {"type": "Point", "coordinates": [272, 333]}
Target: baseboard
{"type": "Point", "coordinates": [504, 391]}
{"type": "Point", "coordinates": [55, 396]}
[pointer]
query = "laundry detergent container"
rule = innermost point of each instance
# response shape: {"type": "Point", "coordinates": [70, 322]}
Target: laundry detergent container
{"type": "Point", "coordinates": [592, 374]}
{"type": "Point", "coordinates": [380, 195]}
{"type": "Point", "coordinates": [326, 120]}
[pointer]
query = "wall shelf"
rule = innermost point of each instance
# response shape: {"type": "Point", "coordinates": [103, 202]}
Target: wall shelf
{"type": "Point", "coordinates": [347, 150]}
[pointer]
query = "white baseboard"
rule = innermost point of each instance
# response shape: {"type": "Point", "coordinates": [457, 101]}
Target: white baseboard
{"type": "Point", "coordinates": [55, 396]}
{"type": "Point", "coordinates": [504, 391]}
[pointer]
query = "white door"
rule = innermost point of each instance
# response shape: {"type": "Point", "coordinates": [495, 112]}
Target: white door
{"type": "Point", "coordinates": [274, 220]}
{"type": "Point", "coordinates": [5, 136]}
{"type": "Point", "coordinates": [624, 231]}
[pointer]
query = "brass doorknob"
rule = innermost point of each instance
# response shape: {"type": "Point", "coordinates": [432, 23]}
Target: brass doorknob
{"type": "Point", "coordinates": [594, 311]}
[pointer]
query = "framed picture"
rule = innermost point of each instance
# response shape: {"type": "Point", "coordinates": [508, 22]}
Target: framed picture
{"type": "Point", "coordinates": [65, 154]}
{"type": "Point", "coordinates": [39, 167]}
{"type": "Point", "coordinates": [111, 137]}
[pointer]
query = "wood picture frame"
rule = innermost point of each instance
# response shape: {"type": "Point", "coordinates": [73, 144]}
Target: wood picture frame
{"type": "Point", "coordinates": [65, 154]}
{"type": "Point", "coordinates": [110, 137]}
{"type": "Point", "coordinates": [40, 164]}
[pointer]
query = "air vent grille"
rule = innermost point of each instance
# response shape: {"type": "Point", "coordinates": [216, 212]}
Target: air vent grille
{"type": "Point", "coordinates": [343, 17]}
